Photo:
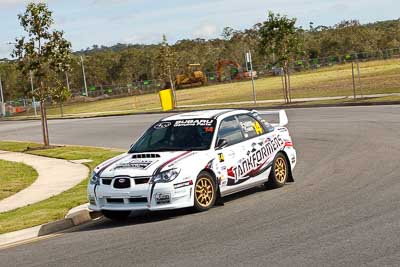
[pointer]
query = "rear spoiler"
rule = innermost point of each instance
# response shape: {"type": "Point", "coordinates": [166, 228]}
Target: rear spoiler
{"type": "Point", "coordinates": [283, 119]}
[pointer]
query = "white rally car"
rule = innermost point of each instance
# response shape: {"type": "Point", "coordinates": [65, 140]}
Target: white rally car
{"type": "Point", "coordinates": [193, 159]}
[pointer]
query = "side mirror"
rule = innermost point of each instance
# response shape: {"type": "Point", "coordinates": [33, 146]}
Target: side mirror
{"type": "Point", "coordinates": [221, 143]}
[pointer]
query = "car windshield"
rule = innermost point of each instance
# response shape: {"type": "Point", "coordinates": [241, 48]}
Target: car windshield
{"type": "Point", "coordinates": [177, 135]}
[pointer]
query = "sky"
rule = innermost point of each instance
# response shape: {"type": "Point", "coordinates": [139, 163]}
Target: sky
{"type": "Point", "coordinates": [108, 22]}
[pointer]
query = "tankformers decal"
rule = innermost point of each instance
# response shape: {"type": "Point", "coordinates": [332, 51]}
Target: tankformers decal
{"type": "Point", "coordinates": [258, 160]}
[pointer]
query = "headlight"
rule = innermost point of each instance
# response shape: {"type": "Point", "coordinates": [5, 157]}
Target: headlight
{"type": "Point", "coordinates": [165, 176]}
{"type": "Point", "coordinates": [94, 179]}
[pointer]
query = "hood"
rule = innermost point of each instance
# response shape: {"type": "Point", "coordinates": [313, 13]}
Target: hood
{"type": "Point", "coordinates": [140, 164]}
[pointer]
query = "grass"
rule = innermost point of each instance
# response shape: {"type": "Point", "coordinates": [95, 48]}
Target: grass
{"type": "Point", "coordinates": [17, 146]}
{"type": "Point", "coordinates": [15, 176]}
{"type": "Point", "coordinates": [56, 207]}
{"type": "Point", "coordinates": [377, 77]}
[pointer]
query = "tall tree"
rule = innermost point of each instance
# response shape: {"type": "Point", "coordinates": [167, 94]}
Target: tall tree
{"type": "Point", "coordinates": [279, 36]}
{"type": "Point", "coordinates": [43, 52]}
{"type": "Point", "coordinates": [166, 60]}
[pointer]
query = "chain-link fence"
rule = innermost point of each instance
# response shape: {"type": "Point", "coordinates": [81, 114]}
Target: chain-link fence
{"type": "Point", "coordinates": [359, 73]}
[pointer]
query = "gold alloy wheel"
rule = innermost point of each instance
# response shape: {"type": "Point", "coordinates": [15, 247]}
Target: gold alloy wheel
{"type": "Point", "coordinates": [204, 191]}
{"type": "Point", "coordinates": [280, 169]}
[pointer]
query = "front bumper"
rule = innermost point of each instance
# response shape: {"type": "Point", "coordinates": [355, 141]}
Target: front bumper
{"type": "Point", "coordinates": [292, 155]}
{"type": "Point", "coordinates": [160, 196]}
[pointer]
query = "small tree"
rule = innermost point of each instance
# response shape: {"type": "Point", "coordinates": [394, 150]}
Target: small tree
{"type": "Point", "coordinates": [167, 62]}
{"type": "Point", "coordinates": [60, 93]}
{"type": "Point", "coordinates": [43, 52]}
{"type": "Point", "coordinates": [279, 37]}
{"type": "Point", "coordinates": [60, 66]}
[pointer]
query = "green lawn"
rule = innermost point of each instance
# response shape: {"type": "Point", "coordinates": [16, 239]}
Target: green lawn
{"type": "Point", "coordinates": [56, 207]}
{"type": "Point", "coordinates": [14, 177]}
{"type": "Point", "coordinates": [376, 77]}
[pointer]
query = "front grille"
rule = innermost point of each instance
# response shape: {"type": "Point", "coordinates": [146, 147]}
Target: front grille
{"type": "Point", "coordinates": [115, 200]}
{"type": "Point", "coordinates": [138, 200]}
{"type": "Point", "coordinates": [142, 180]}
{"type": "Point", "coordinates": [122, 183]}
{"type": "Point", "coordinates": [106, 181]}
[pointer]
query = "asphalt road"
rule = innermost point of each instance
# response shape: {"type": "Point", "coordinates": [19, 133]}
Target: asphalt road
{"type": "Point", "coordinates": [342, 210]}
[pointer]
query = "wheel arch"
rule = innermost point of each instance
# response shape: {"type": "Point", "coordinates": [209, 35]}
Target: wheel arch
{"type": "Point", "coordinates": [290, 178]}
{"type": "Point", "coordinates": [214, 176]}
{"type": "Point", "coordinates": [212, 173]}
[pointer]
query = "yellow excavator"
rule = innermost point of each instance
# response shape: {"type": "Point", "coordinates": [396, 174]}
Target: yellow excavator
{"type": "Point", "coordinates": [194, 76]}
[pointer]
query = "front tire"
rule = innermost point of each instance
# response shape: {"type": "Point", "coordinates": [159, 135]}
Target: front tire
{"type": "Point", "coordinates": [279, 172]}
{"type": "Point", "coordinates": [205, 192]}
{"type": "Point", "coordinates": [116, 215]}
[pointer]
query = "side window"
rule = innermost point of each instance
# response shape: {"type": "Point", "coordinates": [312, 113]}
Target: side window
{"type": "Point", "coordinates": [229, 130]}
{"type": "Point", "coordinates": [250, 126]}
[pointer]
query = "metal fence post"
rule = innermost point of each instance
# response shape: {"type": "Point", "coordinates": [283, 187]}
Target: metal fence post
{"type": "Point", "coordinates": [354, 81]}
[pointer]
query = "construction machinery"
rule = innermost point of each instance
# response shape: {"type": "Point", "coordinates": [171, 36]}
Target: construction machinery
{"type": "Point", "coordinates": [193, 76]}
{"type": "Point", "coordinates": [236, 72]}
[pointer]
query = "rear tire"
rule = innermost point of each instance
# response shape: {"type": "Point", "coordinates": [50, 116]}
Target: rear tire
{"type": "Point", "coordinates": [279, 172]}
{"type": "Point", "coordinates": [116, 215]}
{"type": "Point", "coordinates": [205, 192]}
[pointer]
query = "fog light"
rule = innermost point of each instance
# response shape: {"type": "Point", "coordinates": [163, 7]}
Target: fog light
{"type": "Point", "coordinates": [92, 200]}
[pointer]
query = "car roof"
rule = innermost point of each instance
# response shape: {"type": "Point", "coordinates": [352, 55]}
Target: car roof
{"type": "Point", "coordinates": [205, 114]}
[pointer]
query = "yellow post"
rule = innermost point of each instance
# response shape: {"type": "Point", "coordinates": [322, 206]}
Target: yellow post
{"type": "Point", "coordinates": [166, 99]}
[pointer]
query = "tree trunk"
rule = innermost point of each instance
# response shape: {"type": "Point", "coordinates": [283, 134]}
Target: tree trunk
{"type": "Point", "coordinates": [289, 86]}
{"type": "Point", "coordinates": [286, 88]}
{"type": "Point", "coordinates": [43, 119]}
{"type": "Point", "coordinates": [46, 126]}
{"type": "Point", "coordinates": [283, 84]}
{"type": "Point", "coordinates": [286, 85]}
{"type": "Point", "coordinates": [287, 82]}
{"type": "Point", "coordinates": [42, 122]}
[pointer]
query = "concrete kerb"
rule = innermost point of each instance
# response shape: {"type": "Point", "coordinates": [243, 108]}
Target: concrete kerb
{"type": "Point", "coordinates": [76, 216]}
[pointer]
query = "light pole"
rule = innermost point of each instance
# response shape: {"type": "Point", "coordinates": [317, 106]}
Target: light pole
{"type": "Point", "coordinates": [84, 77]}
{"type": "Point", "coordinates": [2, 105]}
{"type": "Point", "coordinates": [32, 88]}
{"type": "Point", "coordinates": [249, 61]}
{"type": "Point", "coordinates": [33, 96]}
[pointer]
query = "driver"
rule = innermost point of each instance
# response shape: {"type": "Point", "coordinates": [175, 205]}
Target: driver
{"type": "Point", "coordinates": [186, 137]}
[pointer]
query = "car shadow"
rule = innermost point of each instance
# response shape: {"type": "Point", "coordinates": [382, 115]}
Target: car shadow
{"type": "Point", "coordinates": [146, 217]}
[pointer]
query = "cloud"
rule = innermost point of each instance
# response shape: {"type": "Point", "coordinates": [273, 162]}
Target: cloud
{"type": "Point", "coordinates": [143, 38]}
{"type": "Point", "coordinates": [5, 51]}
{"type": "Point", "coordinates": [117, 2]}
{"type": "Point", "coordinates": [5, 3]}
{"type": "Point", "coordinates": [206, 30]}
{"type": "Point", "coordinates": [10, 2]}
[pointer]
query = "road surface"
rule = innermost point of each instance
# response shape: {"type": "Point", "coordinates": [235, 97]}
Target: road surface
{"type": "Point", "coordinates": [342, 210]}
